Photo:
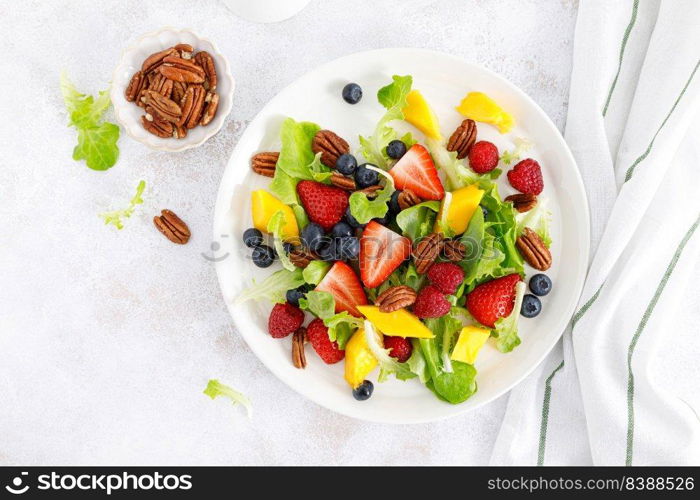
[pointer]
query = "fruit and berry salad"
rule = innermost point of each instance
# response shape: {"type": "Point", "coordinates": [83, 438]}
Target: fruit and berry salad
{"type": "Point", "coordinates": [401, 256]}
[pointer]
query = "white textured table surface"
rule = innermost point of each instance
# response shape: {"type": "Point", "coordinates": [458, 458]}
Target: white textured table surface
{"type": "Point", "coordinates": [107, 338]}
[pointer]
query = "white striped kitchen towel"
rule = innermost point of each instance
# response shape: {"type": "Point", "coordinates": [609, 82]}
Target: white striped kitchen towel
{"type": "Point", "coordinates": [634, 128]}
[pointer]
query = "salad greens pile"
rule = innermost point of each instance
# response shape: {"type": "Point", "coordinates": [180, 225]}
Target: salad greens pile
{"type": "Point", "coordinates": [489, 240]}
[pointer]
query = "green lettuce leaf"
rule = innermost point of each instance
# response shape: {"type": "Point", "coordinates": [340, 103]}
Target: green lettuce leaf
{"type": "Point", "coordinates": [452, 381]}
{"type": "Point", "coordinates": [521, 147]}
{"type": "Point", "coordinates": [393, 98]}
{"type": "Point", "coordinates": [364, 209]}
{"type": "Point", "coordinates": [97, 140]}
{"type": "Point", "coordinates": [215, 388]}
{"type": "Point", "coordinates": [457, 174]}
{"type": "Point", "coordinates": [340, 326]}
{"type": "Point", "coordinates": [387, 364]}
{"type": "Point", "coordinates": [417, 221]}
{"type": "Point", "coordinates": [116, 217]}
{"type": "Point", "coordinates": [315, 271]}
{"type": "Point", "coordinates": [274, 227]}
{"type": "Point", "coordinates": [538, 220]}
{"type": "Point", "coordinates": [417, 363]}
{"type": "Point", "coordinates": [506, 331]}
{"type": "Point", "coordinates": [273, 288]}
{"type": "Point", "coordinates": [501, 217]}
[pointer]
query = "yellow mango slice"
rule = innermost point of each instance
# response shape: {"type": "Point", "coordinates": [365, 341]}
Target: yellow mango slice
{"type": "Point", "coordinates": [460, 208]}
{"type": "Point", "coordinates": [419, 114]}
{"type": "Point", "coordinates": [399, 323]}
{"type": "Point", "coordinates": [481, 108]}
{"type": "Point", "coordinates": [471, 340]}
{"type": "Point", "coordinates": [264, 206]}
{"type": "Point", "coordinates": [359, 360]}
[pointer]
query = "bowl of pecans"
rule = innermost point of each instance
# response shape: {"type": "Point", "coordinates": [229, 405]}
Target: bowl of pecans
{"type": "Point", "coordinates": [172, 90]}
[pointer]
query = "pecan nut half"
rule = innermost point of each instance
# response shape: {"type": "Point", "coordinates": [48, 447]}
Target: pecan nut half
{"type": "Point", "coordinates": [330, 145]}
{"type": "Point", "coordinates": [371, 192]}
{"type": "Point", "coordinates": [206, 62]}
{"type": "Point", "coordinates": [181, 70]}
{"type": "Point", "coordinates": [343, 182]}
{"type": "Point", "coordinates": [301, 257]}
{"type": "Point", "coordinates": [179, 89]}
{"type": "Point", "coordinates": [298, 354]}
{"type": "Point", "coordinates": [533, 250]}
{"type": "Point", "coordinates": [407, 199]}
{"type": "Point", "coordinates": [135, 86]}
{"type": "Point", "coordinates": [153, 124]}
{"type": "Point", "coordinates": [454, 250]}
{"type": "Point", "coordinates": [165, 108]}
{"type": "Point", "coordinates": [463, 138]}
{"type": "Point", "coordinates": [192, 106]}
{"type": "Point", "coordinates": [153, 61]}
{"type": "Point", "coordinates": [522, 202]}
{"type": "Point", "coordinates": [161, 85]}
{"type": "Point", "coordinates": [426, 251]}
{"type": "Point", "coordinates": [395, 298]}
{"type": "Point", "coordinates": [172, 227]}
{"type": "Point", "coordinates": [211, 105]}
{"type": "Point", "coordinates": [264, 163]}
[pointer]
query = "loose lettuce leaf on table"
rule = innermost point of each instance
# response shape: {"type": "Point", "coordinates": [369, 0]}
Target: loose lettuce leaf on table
{"type": "Point", "coordinates": [97, 140]}
{"type": "Point", "coordinates": [393, 98]}
{"type": "Point", "coordinates": [115, 217]}
{"type": "Point", "coordinates": [215, 388]}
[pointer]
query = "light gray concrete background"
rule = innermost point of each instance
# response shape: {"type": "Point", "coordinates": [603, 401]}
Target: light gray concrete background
{"type": "Point", "coordinates": [107, 338]}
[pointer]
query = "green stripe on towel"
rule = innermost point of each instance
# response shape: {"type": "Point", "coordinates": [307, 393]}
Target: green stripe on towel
{"type": "Point", "coordinates": [638, 333]}
{"type": "Point", "coordinates": [625, 37]}
{"type": "Point", "coordinates": [545, 414]}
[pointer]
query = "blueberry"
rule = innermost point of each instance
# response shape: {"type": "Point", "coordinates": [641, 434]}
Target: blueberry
{"type": "Point", "coordinates": [396, 149]}
{"type": "Point", "coordinates": [365, 177]}
{"type": "Point", "coordinates": [346, 164]}
{"type": "Point", "coordinates": [295, 294]}
{"type": "Point", "coordinates": [329, 251]}
{"type": "Point", "coordinates": [352, 93]}
{"type": "Point", "coordinates": [383, 220]}
{"type": "Point", "coordinates": [288, 247]}
{"type": "Point", "coordinates": [531, 306]}
{"type": "Point", "coordinates": [540, 284]}
{"type": "Point", "coordinates": [312, 236]}
{"type": "Point", "coordinates": [363, 391]}
{"type": "Point", "coordinates": [352, 220]}
{"type": "Point", "coordinates": [263, 256]}
{"type": "Point", "coordinates": [252, 237]}
{"type": "Point", "coordinates": [342, 229]}
{"type": "Point", "coordinates": [484, 211]}
{"type": "Point", "coordinates": [348, 248]}
{"type": "Point", "coordinates": [394, 207]}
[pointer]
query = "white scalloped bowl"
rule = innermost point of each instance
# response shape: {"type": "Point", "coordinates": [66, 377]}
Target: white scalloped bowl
{"type": "Point", "coordinates": [128, 114]}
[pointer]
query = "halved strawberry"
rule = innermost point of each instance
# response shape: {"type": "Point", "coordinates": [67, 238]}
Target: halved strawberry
{"type": "Point", "coordinates": [381, 251]}
{"type": "Point", "coordinates": [493, 300]}
{"type": "Point", "coordinates": [342, 282]}
{"type": "Point", "coordinates": [416, 171]}
{"type": "Point", "coordinates": [325, 205]}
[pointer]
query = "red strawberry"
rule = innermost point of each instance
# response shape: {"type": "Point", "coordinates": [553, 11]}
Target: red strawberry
{"type": "Point", "coordinates": [493, 300]}
{"type": "Point", "coordinates": [416, 171]}
{"type": "Point", "coordinates": [325, 205]}
{"type": "Point", "coordinates": [526, 177]}
{"type": "Point", "coordinates": [399, 348]}
{"type": "Point", "coordinates": [483, 157]}
{"type": "Point", "coordinates": [284, 319]}
{"type": "Point", "coordinates": [381, 251]}
{"type": "Point", "coordinates": [446, 276]}
{"type": "Point", "coordinates": [317, 333]}
{"type": "Point", "coordinates": [431, 303]}
{"type": "Point", "coordinates": [342, 282]}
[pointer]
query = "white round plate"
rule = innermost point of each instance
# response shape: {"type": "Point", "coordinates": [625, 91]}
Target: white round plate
{"type": "Point", "coordinates": [443, 80]}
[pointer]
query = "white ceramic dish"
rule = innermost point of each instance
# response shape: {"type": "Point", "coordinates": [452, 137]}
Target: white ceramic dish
{"type": "Point", "coordinates": [129, 114]}
{"type": "Point", "coordinates": [444, 80]}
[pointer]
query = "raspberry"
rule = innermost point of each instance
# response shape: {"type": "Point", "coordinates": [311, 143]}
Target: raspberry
{"type": "Point", "coordinates": [430, 303]}
{"type": "Point", "coordinates": [446, 276]}
{"type": "Point", "coordinates": [317, 333]}
{"type": "Point", "coordinates": [399, 348]}
{"type": "Point", "coordinates": [483, 157]}
{"type": "Point", "coordinates": [284, 319]}
{"type": "Point", "coordinates": [526, 177]}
